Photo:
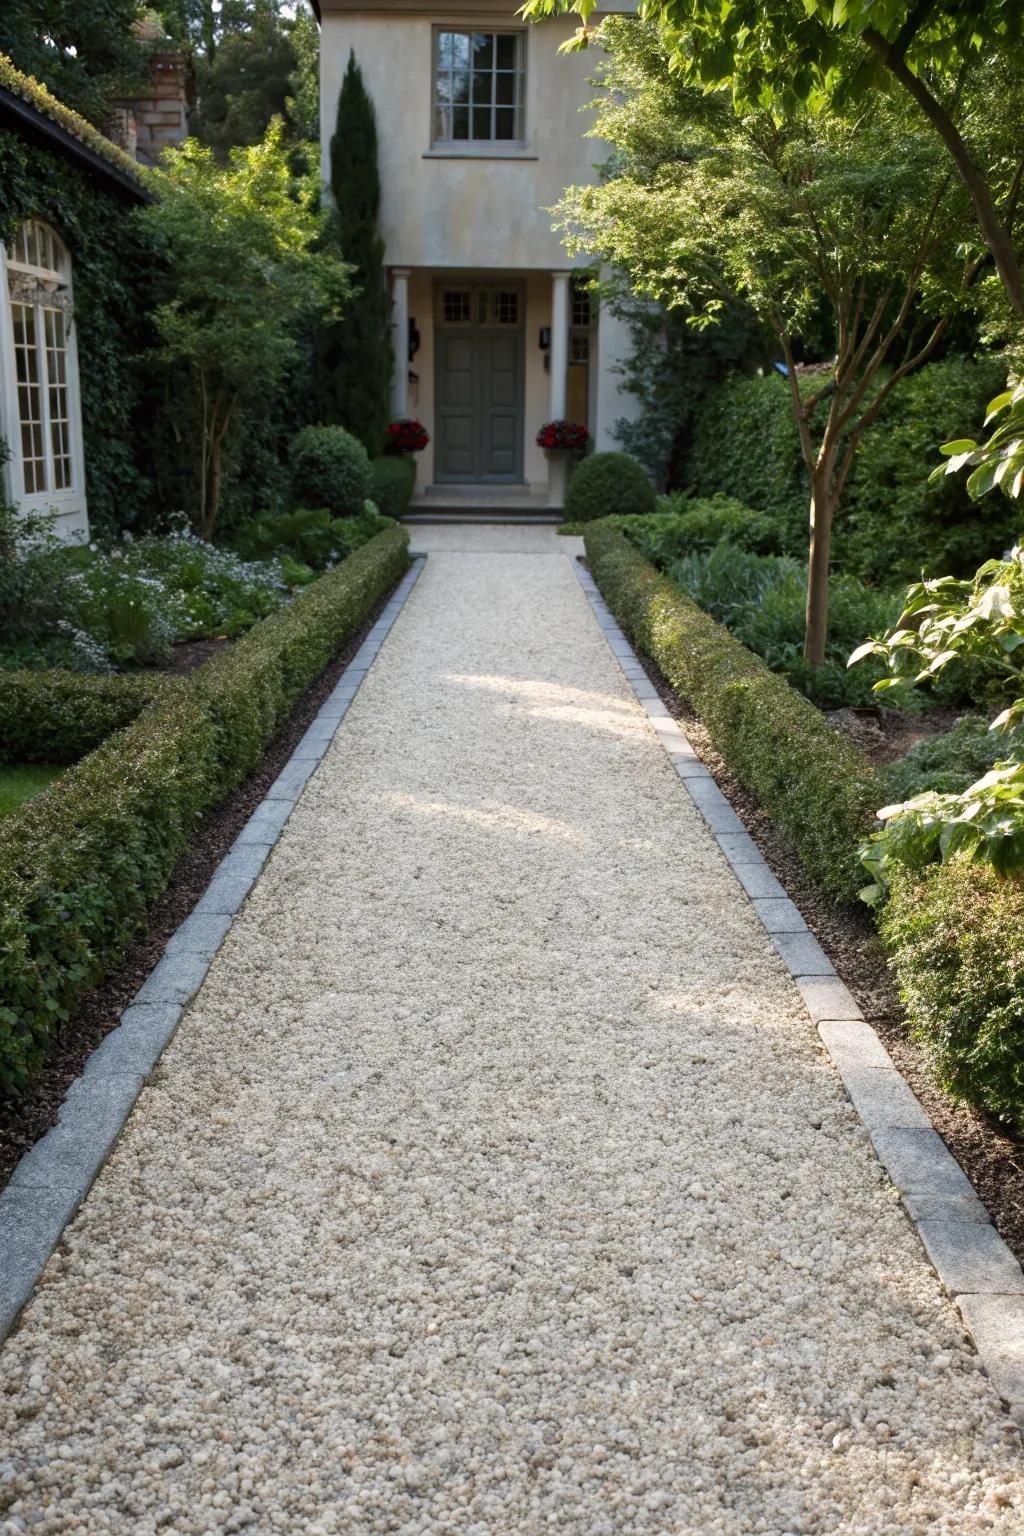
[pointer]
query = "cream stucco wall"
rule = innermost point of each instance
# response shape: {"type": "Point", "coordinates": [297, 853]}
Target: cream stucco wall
{"type": "Point", "coordinates": [445, 210]}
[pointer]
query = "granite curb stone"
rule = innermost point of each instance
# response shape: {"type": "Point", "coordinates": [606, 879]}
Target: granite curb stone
{"type": "Point", "coordinates": [54, 1176]}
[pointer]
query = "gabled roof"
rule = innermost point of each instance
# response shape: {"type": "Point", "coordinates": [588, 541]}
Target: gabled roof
{"type": "Point", "coordinates": [30, 107]}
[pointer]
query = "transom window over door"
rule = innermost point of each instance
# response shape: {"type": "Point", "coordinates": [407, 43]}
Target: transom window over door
{"type": "Point", "coordinates": [39, 283]}
{"type": "Point", "coordinates": [478, 87]}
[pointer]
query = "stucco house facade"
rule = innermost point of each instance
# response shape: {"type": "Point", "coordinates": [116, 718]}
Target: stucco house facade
{"type": "Point", "coordinates": [480, 128]}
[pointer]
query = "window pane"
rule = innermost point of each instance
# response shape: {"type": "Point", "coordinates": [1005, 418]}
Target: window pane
{"type": "Point", "coordinates": [483, 85]}
{"type": "Point", "coordinates": [508, 50]}
{"type": "Point", "coordinates": [483, 50]}
{"type": "Point", "coordinates": [460, 123]}
{"type": "Point", "coordinates": [455, 305]}
{"type": "Point", "coordinates": [481, 122]}
{"type": "Point", "coordinates": [460, 49]}
{"type": "Point", "coordinates": [504, 123]}
{"type": "Point", "coordinates": [445, 50]}
{"type": "Point", "coordinates": [442, 124]}
{"type": "Point", "coordinates": [506, 307]}
{"type": "Point", "coordinates": [460, 85]}
{"type": "Point", "coordinates": [30, 397]}
{"type": "Point", "coordinates": [505, 89]}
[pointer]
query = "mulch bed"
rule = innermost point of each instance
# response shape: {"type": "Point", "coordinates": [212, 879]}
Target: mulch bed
{"type": "Point", "coordinates": [992, 1161]}
{"type": "Point", "coordinates": [24, 1120]}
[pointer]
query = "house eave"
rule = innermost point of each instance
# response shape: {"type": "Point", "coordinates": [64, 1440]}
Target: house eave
{"type": "Point", "coordinates": [42, 130]}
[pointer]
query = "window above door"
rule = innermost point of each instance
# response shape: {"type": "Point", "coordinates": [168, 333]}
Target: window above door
{"type": "Point", "coordinates": [479, 89]}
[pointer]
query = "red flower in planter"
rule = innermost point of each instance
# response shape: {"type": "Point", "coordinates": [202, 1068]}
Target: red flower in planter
{"type": "Point", "coordinates": [406, 437]}
{"type": "Point", "coordinates": [563, 434]}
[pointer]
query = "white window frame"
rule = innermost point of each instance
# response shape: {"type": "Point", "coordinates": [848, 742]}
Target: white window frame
{"type": "Point", "coordinates": [481, 146]}
{"type": "Point", "coordinates": [69, 503]}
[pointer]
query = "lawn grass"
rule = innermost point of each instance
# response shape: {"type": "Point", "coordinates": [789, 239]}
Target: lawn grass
{"type": "Point", "coordinates": [20, 781]}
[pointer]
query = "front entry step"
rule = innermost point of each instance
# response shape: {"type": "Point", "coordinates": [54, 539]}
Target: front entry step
{"type": "Point", "coordinates": [496, 518]}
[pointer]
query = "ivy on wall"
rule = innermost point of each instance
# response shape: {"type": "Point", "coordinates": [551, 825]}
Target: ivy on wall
{"type": "Point", "coordinates": [111, 274]}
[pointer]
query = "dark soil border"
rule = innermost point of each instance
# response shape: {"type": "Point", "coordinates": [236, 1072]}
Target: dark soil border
{"type": "Point", "coordinates": [993, 1162]}
{"type": "Point", "coordinates": [25, 1119]}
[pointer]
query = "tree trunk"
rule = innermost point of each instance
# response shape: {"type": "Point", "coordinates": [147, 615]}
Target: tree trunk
{"type": "Point", "coordinates": [822, 507]}
{"type": "Point", "coordinates": [212, 500]}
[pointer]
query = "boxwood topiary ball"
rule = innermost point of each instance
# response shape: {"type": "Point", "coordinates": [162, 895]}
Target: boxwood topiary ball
{"type": "Point", "coordinates": [606, 484]}
{"type": "Point", "coordinates": [330, 468]}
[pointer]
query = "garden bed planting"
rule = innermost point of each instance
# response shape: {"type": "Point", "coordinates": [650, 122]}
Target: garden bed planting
{"type": "Point", "coordinates": [81, 865]}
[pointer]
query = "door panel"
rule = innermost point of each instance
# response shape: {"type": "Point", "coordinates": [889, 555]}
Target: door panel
{"type": "Point", "coordinates": [479, 395]}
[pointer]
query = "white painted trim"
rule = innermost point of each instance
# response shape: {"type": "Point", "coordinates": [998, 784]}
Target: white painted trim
{"type": "Point", "coordinates": [70, 505]}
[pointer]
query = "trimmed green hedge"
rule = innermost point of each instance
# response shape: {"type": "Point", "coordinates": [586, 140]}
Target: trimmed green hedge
{"type": "Point", "coordinates": [806, 775]}
{"type": "Point", "coordinates": [394, 477]}
{"type": "Point", "coordinates": [55, 716]}
{"type": "Point", "coordinates": [955, 939]}
{"type": "Point", "coordinates": [81, 864]}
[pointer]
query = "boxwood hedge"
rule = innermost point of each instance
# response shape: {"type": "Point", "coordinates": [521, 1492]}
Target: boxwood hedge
{"type": "Point", "coordinates": [954, 934]}
{"type": "Point", "coordinates": [814, 783]}
{"type": "Point", "coordinates": [81, 864]}
{"type": "Point", "coordinates": [53, 716]}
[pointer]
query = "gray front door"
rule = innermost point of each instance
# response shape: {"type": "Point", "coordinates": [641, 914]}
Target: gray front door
{"type": "Point", "coordinates": [479, 384]}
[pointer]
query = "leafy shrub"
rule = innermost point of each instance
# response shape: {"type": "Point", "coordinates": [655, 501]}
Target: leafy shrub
{"type": "Point", "coordinates": [605, 484]}
{"type": "Point", "coordinates": [313, 538]}
{"type": "Point", "coordinates": [891, 520]}
{"type": "Point", "coordinates": [684, 527]}
{"type": "Point", "coordinates": [56, 716]}
{"type": "Point", "coordinates": [954, 934]}
{"type": "Point", "coordinates": [394, 476]}
{"type": "Point", "coordinates": [814, 782]}
{"type": "Point", "coordinates": [943, 622]}
{"type": "Point", "coordinates": [80, 864]}
{"type": "Point", "coordinates": [949, 762]}
{"type": "Point", "coordinates": [89, 609]}
{"type": "Point", "coordinates": [762, 599]}
{"type": "Point", "coordinates": [330, 468]}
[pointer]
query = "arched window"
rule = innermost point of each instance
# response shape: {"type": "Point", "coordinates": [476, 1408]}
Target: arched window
{"type": "Point", "coordinates": [42, 421]}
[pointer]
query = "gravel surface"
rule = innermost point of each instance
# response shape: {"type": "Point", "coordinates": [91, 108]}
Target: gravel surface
{"type": "Point", "coordinates": [495, 1182]}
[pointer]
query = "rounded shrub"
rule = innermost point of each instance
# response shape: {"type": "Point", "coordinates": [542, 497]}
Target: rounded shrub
{"type": "Point", "coordinates": [606, 484]}
{"type": "Point", "coordinates": [330, 468]}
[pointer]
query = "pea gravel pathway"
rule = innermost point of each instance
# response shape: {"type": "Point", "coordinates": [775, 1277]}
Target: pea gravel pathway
{"type": "Point", "coordinates": [496, 1181]}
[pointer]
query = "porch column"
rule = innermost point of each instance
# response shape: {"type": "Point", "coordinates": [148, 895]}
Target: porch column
{"type": "Point", "coordinates": [559, 354]}
{"type": "Point", "coordinates": [400, 328]}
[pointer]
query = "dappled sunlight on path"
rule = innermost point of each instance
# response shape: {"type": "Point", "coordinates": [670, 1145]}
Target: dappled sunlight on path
{"type": "Point", "coordinates": [496, 1182]}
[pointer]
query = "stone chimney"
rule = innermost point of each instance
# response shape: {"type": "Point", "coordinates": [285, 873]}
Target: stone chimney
{"type": "Point", "coordinates": [146, 124]}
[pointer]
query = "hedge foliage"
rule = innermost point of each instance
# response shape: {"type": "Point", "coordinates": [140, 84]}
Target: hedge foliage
{"type": "Point", "coordinates": [330, 469]}
{"type": "Point", "coordinates": [955, 938]}
{"type": "Point", "coordinates": [607, 484]}
{"type": "Point", "coordinates": [53, 716]}
{"type": "Point", "coordinates": [394, 477]}
{"type": "Point", "coordinates": [814, 783]}
{"type": "Point", "coordinates": [81, 864]}
{"type": "Point", "coordinates": [891, 520]}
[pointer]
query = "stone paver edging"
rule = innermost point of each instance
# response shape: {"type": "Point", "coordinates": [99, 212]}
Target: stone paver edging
{"type": "Point", "coordinates": [54, 1176]}
{"type": "Point", "coordinates": [973, 1263]}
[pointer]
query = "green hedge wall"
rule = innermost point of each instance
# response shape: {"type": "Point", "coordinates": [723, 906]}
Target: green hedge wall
{"type": "Point", "coordinates": [809, 778]}
{"type": "Point", "coordinates": [394, 479]}
{"type": "Point", "coordinates": [81, 864]}
{"type": "Point", "coordinates": [955, 939]}
{"type": "Point", "coordinates": [891, 521]}
{"type": "Point", "coordinates": [56, 717]}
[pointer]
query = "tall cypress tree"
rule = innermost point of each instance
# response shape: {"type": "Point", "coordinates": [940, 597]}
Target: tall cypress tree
{"type": "Point", "coordinates": [355, 354]}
